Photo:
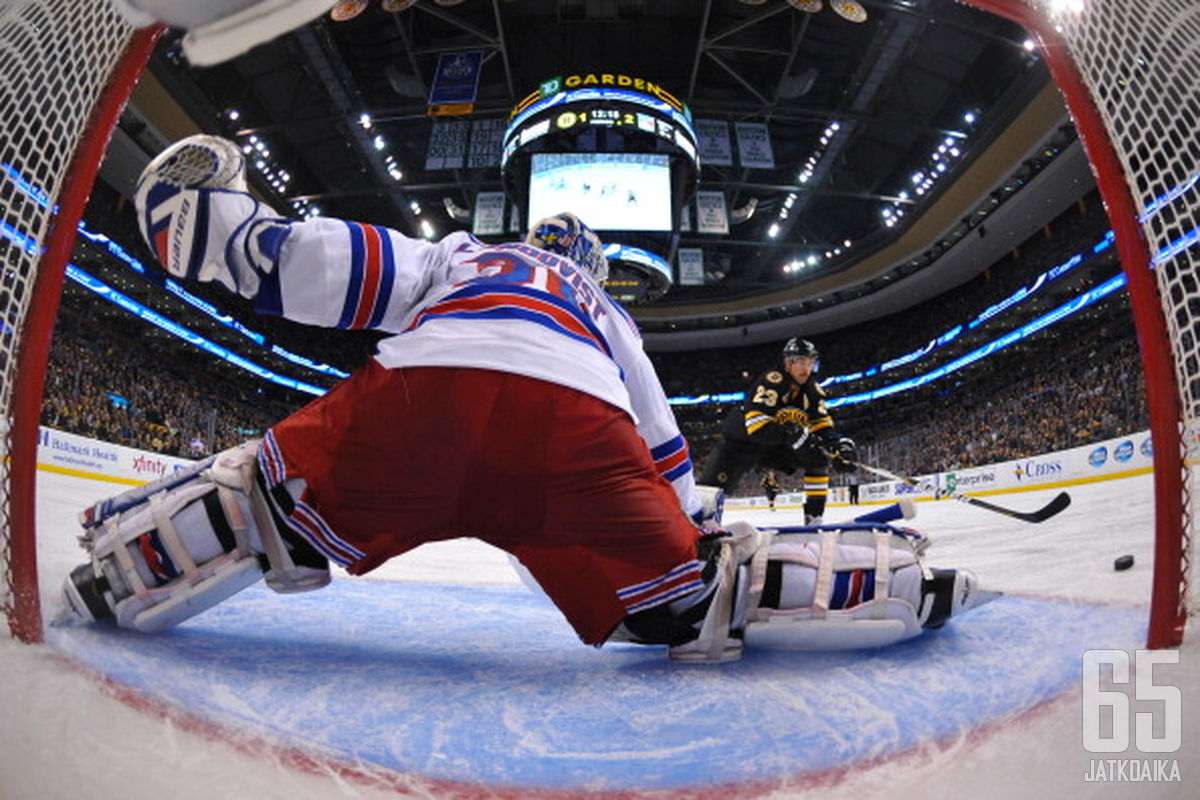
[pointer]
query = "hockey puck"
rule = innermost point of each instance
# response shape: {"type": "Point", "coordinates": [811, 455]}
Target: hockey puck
{"type": "Point", "coordinates": [1123, 563]}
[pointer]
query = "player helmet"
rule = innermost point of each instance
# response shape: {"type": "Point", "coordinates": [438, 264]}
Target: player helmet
{"type": "Point", "coordinates": [566, 235]}
{"type": "Point", "coordinates": [800, 348]}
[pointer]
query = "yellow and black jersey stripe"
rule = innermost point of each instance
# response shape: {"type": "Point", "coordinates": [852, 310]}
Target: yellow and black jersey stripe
{"type": "Point", "coordinates": [775, 402]}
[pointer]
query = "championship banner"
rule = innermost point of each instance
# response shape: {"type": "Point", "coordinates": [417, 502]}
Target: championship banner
{"type": "Point", "coordinates": [455, 83]}
{"type": "Point", "coordinates": [712, 136]}
{"type": "Point", "coordinates": [487, 136]}
{"type": "Point", "coordinates": [711, 216]}
{"type": "Point", "coordinates": [489, 214]}
{"type": "Point", "coordinates": [691, 266]}
{"type": "Point", "coordinates": [447, 145]}
{"type": "Point", "coordinates": [754, 145]}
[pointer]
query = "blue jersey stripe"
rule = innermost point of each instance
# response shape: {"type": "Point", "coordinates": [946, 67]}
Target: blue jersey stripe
{"type": "Point", "coordinates": [667, 448]}
{"type": "Point", "coordinates": [479, 288]}
{"type": "Point", "coordinates": [388, 278]}
{"type": "Point", "coordinates": [511, 312]}
{"type": "Point", "coordinates": [358, 258]}
{"type": "Point", "coordinates": [679, 471]}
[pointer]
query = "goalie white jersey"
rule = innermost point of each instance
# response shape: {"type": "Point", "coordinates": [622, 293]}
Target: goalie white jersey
{"type": "Point", "coordinates": [448, 303]}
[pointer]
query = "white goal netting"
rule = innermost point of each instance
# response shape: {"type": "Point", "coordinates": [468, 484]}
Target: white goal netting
{"type": "Point", "coordinates": [55, 60]}
{"type": "Point", "coordinates": [1140, 62]}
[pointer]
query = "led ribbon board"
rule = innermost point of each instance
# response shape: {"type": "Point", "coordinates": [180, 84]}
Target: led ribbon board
{"type": "Point", "coordinates": [618, 150]}
{"type": "Point", "coordinates": [604, 100]}
{"type": "Point", "coordinates": [652, 273]}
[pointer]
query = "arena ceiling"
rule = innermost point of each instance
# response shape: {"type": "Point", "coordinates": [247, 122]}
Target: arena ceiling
{"type": "Point", "coordinates": [855, 111]}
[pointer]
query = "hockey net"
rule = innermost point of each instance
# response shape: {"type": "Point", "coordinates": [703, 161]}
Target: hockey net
{"type": "Point", "coordinates": [1130, 73]}
{"type": "Point", "coordinates": [66, 68]}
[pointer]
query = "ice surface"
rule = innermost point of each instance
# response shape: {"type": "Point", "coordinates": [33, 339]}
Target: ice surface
{"type": "Point", "coordinates": [469, 683]}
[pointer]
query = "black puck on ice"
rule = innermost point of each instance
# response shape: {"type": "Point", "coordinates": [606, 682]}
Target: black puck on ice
{"type": "Point", "coordinates": [1123, 563]}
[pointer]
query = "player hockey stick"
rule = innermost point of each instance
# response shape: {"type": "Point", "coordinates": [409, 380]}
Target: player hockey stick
{"type": "Point", "coordinates": [1057, 504]}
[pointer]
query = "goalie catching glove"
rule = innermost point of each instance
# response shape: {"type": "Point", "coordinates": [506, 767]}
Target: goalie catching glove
{"type": "Point", "coordinates": [195, 238]}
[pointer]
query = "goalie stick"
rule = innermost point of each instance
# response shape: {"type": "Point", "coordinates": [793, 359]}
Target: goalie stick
{"type": "Point", "coordinates": [1057, 504]}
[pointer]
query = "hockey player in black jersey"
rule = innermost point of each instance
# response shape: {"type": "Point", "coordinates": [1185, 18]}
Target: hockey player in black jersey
{"type": "Point", "coordinates": [770, 486]}
{"type": "Point", "coordinates": [783, 425]}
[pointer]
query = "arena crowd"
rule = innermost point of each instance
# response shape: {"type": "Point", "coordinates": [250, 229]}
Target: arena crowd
{"type": "Point", "coordinates": [1074, 383]}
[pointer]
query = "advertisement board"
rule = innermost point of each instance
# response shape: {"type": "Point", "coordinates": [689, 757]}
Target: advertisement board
{"type": "Point", "coordinates": [1121, 457]}
{"type": "Point", "coordinates": [71, 454]}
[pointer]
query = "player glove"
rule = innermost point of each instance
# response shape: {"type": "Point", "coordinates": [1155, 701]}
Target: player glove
{"type": "Point", "coordinates": [842, 451]}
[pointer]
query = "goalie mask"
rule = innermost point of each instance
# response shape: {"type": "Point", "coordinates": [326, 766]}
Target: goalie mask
{"type": "Point", "coordinates": [566, 235]}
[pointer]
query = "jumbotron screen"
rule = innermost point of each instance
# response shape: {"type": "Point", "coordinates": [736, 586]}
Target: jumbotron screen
{"type": "Point", "coordinates": [608, 191]}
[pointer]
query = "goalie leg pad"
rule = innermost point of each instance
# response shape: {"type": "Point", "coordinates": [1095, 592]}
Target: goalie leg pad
{"type": "Point", "coordinates": [801, 629]}
{"type": "Point", "coordinates": [833, 589]}
{"type": "Point", "coordinates": [181, 548]}
{"type": "Point", "coordinates": [719, 640]}
{"type": "Point", "coordinates": [712, 505]}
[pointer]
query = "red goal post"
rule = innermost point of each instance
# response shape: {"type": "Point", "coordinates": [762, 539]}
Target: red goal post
{"type": "Point", "coordinates": [66, 70]}
{"type": "Point", "coordinates": [1129, 71]}
{"type": "Point", "coordinates": [1130, 75]}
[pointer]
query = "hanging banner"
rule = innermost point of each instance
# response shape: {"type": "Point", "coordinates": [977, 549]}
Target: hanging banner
{"type": "Point", "coordinates": [447, 145]}
{"type": "Point", "coordinates": [712, 136]}
{"type": "Point", "coordinates": [455, 83]}
{"type": "Point", "coordinates": [486, 138]}
{"type": "Point", "coordinates": [754, 145]}
{"type": "Point", "coordinates": [711, 216]}
{"type": "Point", "coordinates": [691, 266]}
{"type": "Point", "coordinates": [489, 214]}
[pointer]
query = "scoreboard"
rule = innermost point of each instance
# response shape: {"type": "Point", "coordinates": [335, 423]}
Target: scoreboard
{"type": "Point", "coordinates": [603, 143]}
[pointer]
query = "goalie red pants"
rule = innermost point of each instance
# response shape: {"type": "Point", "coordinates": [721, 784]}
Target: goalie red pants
{"type": "Point", "coordinates": [393, 458]}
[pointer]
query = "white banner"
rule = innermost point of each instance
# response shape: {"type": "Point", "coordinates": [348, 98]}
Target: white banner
{"type": "Point", "coordinates": [487, 137]}
{"type": "Point", "coordinates": [691, 266]}
{"type": "Point", "coordinates": [711, 216]}
{"type": "Point", "coordinates": [754, 145]}
{"type": "Point", "coordinates": [712, 136]}
{"type": "Point", "coordinates": [447, 145]}
{"type": "Point", "coordinates": [489, 214]}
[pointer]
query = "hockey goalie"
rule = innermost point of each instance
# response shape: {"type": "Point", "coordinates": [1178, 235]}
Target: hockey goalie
{"type": "Point", "coordinates": [510, 400]}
